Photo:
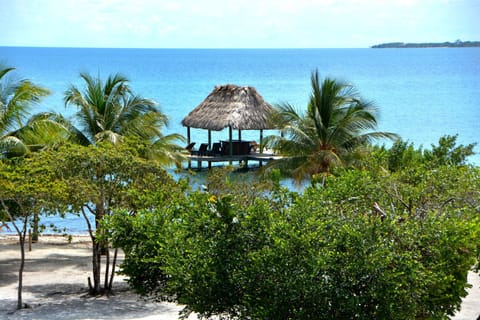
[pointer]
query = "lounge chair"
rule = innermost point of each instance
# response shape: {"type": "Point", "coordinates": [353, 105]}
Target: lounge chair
{"type": "Point", "coordinates": [190, 146]}
{"type": "Point", "coordinates": [202, 150]}
{"type": "Point", "coordinates": [216, 149]}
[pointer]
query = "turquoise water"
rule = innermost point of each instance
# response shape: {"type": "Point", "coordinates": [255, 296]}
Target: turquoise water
{"type": "Point", "coordinates": [422, 93]}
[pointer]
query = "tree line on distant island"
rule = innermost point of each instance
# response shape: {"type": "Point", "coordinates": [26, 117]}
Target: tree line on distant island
{"type": "Point", "coordinates": [456, 44]}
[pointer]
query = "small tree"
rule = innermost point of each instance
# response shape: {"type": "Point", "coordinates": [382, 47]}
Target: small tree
{"type": "Point", "coordinates": [28, 187]}
{"type": "Point", "coordinates": [102, 179]}
{"type": "Point", "coordinates": [447, 152]}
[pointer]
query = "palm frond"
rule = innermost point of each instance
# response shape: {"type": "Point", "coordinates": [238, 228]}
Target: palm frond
{"type": "Point", "coordinates": [337, 122]}
{"type": "Point", "coordinates": [11, 146]}
{"type": "Point", "coordinates": [108, 136]}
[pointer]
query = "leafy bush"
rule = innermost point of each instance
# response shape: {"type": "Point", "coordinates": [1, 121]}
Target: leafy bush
{"type": "Point", "coordinates": [403, 155]}
{"type": "Point", "coordinates": [349, 250]}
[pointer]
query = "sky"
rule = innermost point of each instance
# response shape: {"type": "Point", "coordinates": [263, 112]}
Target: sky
{"type": "Point", "coordinates": [235, 24]}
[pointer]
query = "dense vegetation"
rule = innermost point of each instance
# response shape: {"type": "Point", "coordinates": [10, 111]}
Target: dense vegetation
{"type": "Point", "coordinates": [380, 232]}
{"type": "Point", "coordinates": [368, 244]}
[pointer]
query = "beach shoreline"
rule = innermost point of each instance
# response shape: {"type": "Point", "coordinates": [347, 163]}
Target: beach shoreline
{"type": "Point", "coordinates": [55, 285]}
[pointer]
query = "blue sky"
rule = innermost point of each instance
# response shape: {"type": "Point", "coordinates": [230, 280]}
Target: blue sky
{"type": "Point", "coordinates": [235, 24]}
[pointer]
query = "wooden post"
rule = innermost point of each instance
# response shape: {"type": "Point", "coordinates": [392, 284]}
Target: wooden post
{"type": "Point", "coordinates": [261, 140]}
{"type": "Point", "coordinates": [260, 163]}
{"type": "Point", "coordinates": [209, 146]}
{"type": "Point", "coordinates": [230, 144]}
{"type": "Point", "coordinates": [240, 144]}
{"type": "Point", "coordinates": [188, 142]}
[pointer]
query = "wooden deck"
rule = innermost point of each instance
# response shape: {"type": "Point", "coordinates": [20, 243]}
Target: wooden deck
{"type": "Point", "coordinates": [253, 156]}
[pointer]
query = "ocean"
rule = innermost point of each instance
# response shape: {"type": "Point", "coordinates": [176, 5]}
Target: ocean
{"type": "Point", "coordinates": [422, 94]}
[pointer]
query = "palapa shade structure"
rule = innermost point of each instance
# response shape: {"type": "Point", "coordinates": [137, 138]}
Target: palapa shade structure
{"type": "Point", "coordinates": [240, 108]}
{"type": "Point", "coordinates": [230, 106]}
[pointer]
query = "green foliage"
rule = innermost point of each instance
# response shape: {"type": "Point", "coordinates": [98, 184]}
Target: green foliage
{"type": "Point", "coordinates": [448, 153]}
{"type": "Point", "coordinates": [208, 252]}
{"type": "Point", "coordinates": [110, 111]}
{"type": "Point", "coordinates": [104, 179]}
{"type": "Point", "coordinates": [110, 177]}
{"type": "Point", "coordinates": [28, 186]}
{"type": "Point", "coordinates": [17, 97]}
{"type": "Point", "coordinates": [363, 245]}
{"type": "Point", "coordinates": [337, 125]}
{"type": "Point", "coordinates": [142, 237]}
{"type": "Point", "coordinates": [245, 186]}
{"type": "Point", "coordinates": [403, 155]}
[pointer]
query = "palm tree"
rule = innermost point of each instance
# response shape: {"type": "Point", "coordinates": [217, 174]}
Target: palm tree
{"type": "Point", "coordinates": [336, 124]}
{"type": "Point", "coordinates": [110, 111]}
{"type": "Point", "coordinates": [16, 98]}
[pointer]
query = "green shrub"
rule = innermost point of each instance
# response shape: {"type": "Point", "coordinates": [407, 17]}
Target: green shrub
{"type": "Point", "coordinates": [328, 253]}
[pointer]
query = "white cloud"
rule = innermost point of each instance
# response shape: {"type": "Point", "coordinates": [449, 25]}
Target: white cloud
{"type": "Point", "coordinates": [223, 23]}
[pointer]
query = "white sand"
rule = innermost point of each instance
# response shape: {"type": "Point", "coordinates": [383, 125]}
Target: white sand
{"type": "Point", "coordinates": [55, 283]}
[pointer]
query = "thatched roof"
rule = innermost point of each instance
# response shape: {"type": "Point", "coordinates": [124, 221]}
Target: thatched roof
{"type": "Point", "coordinates": [229, 105]}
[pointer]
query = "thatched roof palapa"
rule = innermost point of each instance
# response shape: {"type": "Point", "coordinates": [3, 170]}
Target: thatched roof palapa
{"type": "Point", "coordinates": [240, 108]}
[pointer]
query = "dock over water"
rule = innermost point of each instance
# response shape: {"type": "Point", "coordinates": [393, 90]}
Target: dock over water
{"type": "Point", "coordinates": [244, 159]}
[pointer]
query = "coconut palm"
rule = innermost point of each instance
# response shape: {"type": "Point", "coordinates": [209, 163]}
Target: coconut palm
{"type": "Point", "coordinates": [336, 124]}
{"type": "Point", "coordinates": [110, 111]}
{"type": "Point", "coordinates": [46, 129]}
{"type": "Point", "coordinates": [16, 99]}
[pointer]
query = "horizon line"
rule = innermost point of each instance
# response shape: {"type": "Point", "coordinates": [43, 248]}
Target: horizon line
{"type": "Point", "coordinates": [186, 48]}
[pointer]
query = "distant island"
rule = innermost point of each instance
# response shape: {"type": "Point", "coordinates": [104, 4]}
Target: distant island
{"type": "Point", "coordinates": [456, 44]}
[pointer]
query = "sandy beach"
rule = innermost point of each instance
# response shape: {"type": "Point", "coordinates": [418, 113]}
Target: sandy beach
{"type": "Point", "coordinates": [55, 283]}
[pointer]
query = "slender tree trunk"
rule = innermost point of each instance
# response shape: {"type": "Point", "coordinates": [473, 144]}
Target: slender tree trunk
{"type": "Point", "coordinates": [96, 268]}
{"type": "Point", "coordinates": [35, 233]}
{"type": "Point", "coordinates": [95, 287]}
{"type": "Point", "coordinates": [101, 246]}
{"type": "Point", "coordinates": [107, 269]}
{"type": "Point", "coordinates": [21, 237]}
{"type": "Point", "coordinates": [113, 269]}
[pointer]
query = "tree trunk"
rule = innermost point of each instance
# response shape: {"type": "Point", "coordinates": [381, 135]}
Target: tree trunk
{"type": "Point", "coordinates": [21, 237]}
{"type": "Point", "coordinates": [113, 269]}
{"type": "Point", "coordinates": [20, 271]}
{"type": "Point", "coordinates": [94, 288]}
{"type": "Point", "coordinates": [35, 233]}
{"type": "Point", "coordinates": [96, 268]}
{"type": "Point", "coordinates": [99, 248]}
{"type": "Point", "coordinates": [107, 269]}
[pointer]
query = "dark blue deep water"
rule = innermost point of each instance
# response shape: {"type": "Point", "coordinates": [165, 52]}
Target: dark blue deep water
{"type": "Point", "coordinates": [422, 93]}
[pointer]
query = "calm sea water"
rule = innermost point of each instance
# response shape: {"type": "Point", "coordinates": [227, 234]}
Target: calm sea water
{"type": "Point", "coordinates": [422, 93]}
